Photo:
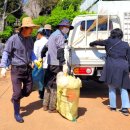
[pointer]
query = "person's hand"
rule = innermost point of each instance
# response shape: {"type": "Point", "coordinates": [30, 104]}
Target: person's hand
{"type": "Point", "coordinates": [38, 63]}
{"type": "Point", "coordinates": [3, 72]}
{"type": "Point", "coordinates": [92, 44]}
{"type": "Point", "coordinates": [65, 69]}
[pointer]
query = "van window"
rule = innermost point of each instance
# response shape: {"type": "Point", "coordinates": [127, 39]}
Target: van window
{"type": "Point", "coordinates": [101, 27]}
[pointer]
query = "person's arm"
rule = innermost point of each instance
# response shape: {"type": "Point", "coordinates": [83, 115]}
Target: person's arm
{"type": "Point", "coordinates": [44, 50]}
{"type": "Point", "coordinates": [4, 59]}
{"type": "Point", "coordinates": [99, 42]}
{"type": "Point", "coordinates": [35, 48]}
{"type": "Point", "coordinates": [5, 56]}
{"type": "Point", "coordinates": [60, 56]}
{"type": "Point", "coordinates": [128, 56]}
{"type": "Point", "coordinates": [33, 56]}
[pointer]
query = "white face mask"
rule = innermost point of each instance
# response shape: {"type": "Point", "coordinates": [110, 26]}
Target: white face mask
{"type": "Point", "coordinates": [65, 30]}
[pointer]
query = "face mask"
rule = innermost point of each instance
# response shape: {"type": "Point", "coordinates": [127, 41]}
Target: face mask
{"type": "Point", "coordinates": [48, 32]}
{"type": "Point", "coordinates": [65, 30]}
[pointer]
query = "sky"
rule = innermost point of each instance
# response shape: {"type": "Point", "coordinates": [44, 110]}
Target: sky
{"type": "Point", "coordinates": [24, 1]}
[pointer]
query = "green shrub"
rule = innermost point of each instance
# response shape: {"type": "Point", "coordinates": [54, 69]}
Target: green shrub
{"type": "Point", "coordinates": [59, 13]}
{"type": "Point", "coordinates": [24, 15]}
{"type": "Point", "coordinates": [6, 33]}
{"type": "Point", "coordinates": [41, 20]}
{"type": "Point", "coordinates": [11, 20]}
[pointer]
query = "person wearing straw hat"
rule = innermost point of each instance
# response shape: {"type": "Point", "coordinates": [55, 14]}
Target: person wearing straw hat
{"type": "Point", "coordinates": [48, 30]}
{"type": "Point", "coordinates": [19, 47]}
{"type": "Point", "coordinates": [55, 47]}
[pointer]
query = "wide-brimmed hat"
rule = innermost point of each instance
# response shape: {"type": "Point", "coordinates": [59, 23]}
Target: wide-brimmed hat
{"type": "Point", "coordinates": [65, 22]}
{"type": "Point", "coordinates": [27, 22]}
{"type": "Point", "coordinates": [47, 26]}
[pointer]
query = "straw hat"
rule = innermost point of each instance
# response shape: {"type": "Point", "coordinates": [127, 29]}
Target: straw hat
{"type": "Point", "coordinates": [27, 22]}
{"type": "Point", "coordinates": [47, 26]}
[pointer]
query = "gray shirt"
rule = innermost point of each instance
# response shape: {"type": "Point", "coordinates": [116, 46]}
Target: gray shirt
{"type": "Point", "coordinates": [19, 49]}
{"type": "Point", "coordinates": [55, 41]}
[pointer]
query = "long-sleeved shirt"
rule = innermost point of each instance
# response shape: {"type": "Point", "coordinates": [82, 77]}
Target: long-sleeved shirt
{"type": "Point", "coordinates": [38, 46]}
{"type": "Point", "coordinates": [55, 42]}
{"type": "Point", "coordinates": [19, 49]}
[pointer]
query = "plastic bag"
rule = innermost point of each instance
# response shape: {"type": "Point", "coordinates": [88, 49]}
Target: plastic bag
{"type": "Point", "coordinates": [68, 92]}
{"type": "Point", "coordinates": [38, 75]}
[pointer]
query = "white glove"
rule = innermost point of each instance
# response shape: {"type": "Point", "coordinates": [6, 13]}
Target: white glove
{"type": "Point", "coordinates": [65, 69]}
{"type": "Point", "coordinates": [3, 72]}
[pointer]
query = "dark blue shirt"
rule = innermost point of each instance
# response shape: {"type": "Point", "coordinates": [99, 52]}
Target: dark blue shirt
{"type": "Point", "coordinates": [19, 49]}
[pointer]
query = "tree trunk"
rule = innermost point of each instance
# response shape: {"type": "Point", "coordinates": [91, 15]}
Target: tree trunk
{"type": "Point", "coordinates": [3, 16]}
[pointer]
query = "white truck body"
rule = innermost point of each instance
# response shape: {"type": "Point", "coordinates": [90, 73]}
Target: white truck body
{"type": "Point", "coordinates": [84, 60]}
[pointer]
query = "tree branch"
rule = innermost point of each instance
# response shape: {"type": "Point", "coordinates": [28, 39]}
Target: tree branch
{"type": "Point", "coordinates": [19, 6]}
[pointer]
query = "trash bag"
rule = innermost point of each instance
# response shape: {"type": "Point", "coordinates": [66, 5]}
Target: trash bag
{"type": "Point", "coordinates": [68, 92]}
{"type": "Point", "coordinates": [38, 75]}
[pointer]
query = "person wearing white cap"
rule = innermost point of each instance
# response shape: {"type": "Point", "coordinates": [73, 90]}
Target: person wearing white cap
{"type": "Point", "coordinates": [19, 48]}
{"type": "Point", "coordinates": [38, 45]}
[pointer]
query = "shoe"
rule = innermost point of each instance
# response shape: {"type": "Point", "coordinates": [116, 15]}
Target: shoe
{"type": "Point", "coordinates": [52, 111]}
{"type": "Point", "coordinates": [18, 118]}
{"type": "Point", "coordinates": [45, 108]}
{"type": "Point", "coordinates": [124, 111]}
{"type": "Point", "coordinates": [17, 115]}
{"type": "Point", "coordinates": [111, 108]}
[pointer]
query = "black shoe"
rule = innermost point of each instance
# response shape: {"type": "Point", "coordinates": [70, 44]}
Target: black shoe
{"type": "Point", "coordinates": [19, 118]}
{"type": "Point", "coordinates": [124, 111]}
{"type": "Point", "coordinates": [112, 109]}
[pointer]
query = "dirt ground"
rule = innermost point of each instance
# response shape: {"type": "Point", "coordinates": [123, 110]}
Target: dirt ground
{"type": "Point", "coordinates": [93, 111]}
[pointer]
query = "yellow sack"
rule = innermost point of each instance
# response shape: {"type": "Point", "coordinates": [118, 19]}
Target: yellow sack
{"type": "Point", "coordinates": [68, 92]}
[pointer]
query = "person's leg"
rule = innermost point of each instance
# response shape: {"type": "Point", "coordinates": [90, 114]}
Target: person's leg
{"type": "Point", "coordinates": [125, 102]}
{"type": "Point", "coordinates": [17, 84]}
{"type": "Point", "coordinates": [41, 84]}
{"type": "Point", "coordinates": [53, 98]}
{"type": "Point", "coordinates": [46, 98]}
{"type": "Point", "coordinates": [125, 98]}
{"type": "Point", "coordinates": [112, 96]}
{"type": "Point", "coordinates": [27, 85]}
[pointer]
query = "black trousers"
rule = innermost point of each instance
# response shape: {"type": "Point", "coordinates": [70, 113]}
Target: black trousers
{"type": "Point", "coordinates": [50, 76]}
{"type": "Point", "coordinates": [50, 93]}
{"type": "Point", "coordinates": [21, 77]}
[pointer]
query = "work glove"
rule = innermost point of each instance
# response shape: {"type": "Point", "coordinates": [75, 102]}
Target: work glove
{"type": "Point", "coordinates": [65, 69]}
{"type": "Point", "coordinates": [38, 63]}
{"type": "Point", "coordinates": [3, 72]}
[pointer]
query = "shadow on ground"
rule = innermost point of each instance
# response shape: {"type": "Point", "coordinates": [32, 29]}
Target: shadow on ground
{"type": "Point", "coordinates": [81, 111]}
{"type": "Point", "coordinates": [30, 108]}
{"type": "Point", "coordinates": [92, 89]}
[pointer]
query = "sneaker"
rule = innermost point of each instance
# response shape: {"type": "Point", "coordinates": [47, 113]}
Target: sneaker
{"type": "Point", "coordinates": [45, 108]}
{"type": "Point", "coordinates": [124, 111]}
